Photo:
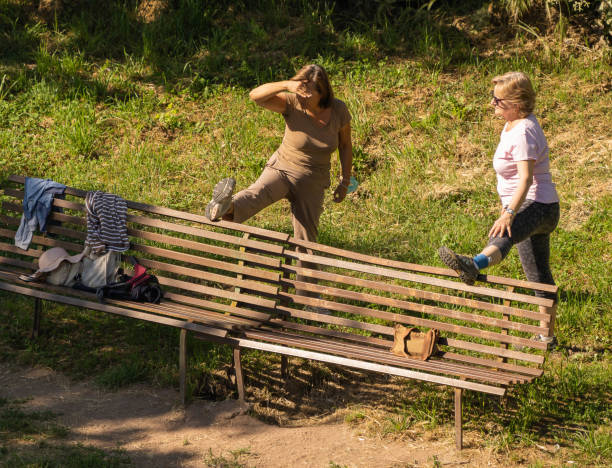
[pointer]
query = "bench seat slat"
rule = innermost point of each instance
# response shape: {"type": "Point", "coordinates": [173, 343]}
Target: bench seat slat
{"type": "Point", "coordinates": [376, 356]}
{"type": "Point", "coordinates": [409, 319]}
{"type": "Point", "coordinates": [112, 309]}
{"type": "Point", "coordinates": [385, 356]}
{"type": "Point", "coordinates": [383, 330]}
{"type": "Point", "coordinates": [371, 366]}
{"type": "Point", "coordinates": [386, 344]}
{"type": "Point", "coordinates": [415, 307]}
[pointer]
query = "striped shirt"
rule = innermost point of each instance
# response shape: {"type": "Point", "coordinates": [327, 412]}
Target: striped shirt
{"type": "Point", "coordinates": [106, 222]}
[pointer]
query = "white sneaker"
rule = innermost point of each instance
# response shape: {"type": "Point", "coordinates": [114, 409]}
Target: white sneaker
{"type": "Point", "coordinates": [221, 199]}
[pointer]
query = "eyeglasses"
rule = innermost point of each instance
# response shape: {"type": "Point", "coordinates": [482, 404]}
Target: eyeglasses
{"type": "Point", "coordinates": [496, 100]}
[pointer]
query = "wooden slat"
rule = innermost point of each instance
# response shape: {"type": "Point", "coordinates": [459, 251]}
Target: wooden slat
{"type": "Point", "coordinates": [332, 319]}
{"type": "Point", "coordinates": [156, 223]}
{"type": "Point", "coordinates": [207, 262]}
{"type": "Point", "coordinates": [386, 272]}
{"type": "Point", "coordinates": [408, 319]}
{"type": "Point", "coordinates": [532, 371]}
{"type": "Point", "coordinates": [333, 333]}
{"type": "Point", "coordinates": [495, 351]}
{"type": "Point", "coordinates": [385, 330]}
{"type": "Point", "coordinates": [49, 242]}
{"type": "Point", "coordinates": [216, 292]}
{"type": "Point", "coordinates": [240, 311]}
{"type": "Point", "coordinates": [385, 357]}
{"type": "Point", "coordinates": [415, 307]}
{"type": "Point", "coordinates": [415, 267]}
{"type": "Point", "coordinates": [417, 293]}
{"type": "Point", "coordinates": [207, 248]}
{"type": "Point", "coordinates": [4, 247]}
{"type": "Point", "coordinates": [199, 246]}
{"type": "Point", "coordinates": [264, 233]}
{"type": "Point", "coordinates": [17, 263]}
{"type": "Point", "coordinates": [207, 276]}
{"type": "Point", "coordinates": [112, 309]}
{"type": "Point", "coordinates": [252, 344]}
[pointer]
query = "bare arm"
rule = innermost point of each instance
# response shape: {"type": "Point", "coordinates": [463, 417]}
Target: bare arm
{"type": "Point", "coordinates": [271, 95]}
{"type": "Point", "coordinates": [345, 151]}
{"type": "Point", "coordinates": [503, 223]}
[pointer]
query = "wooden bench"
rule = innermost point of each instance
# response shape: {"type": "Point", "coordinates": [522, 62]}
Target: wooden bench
{"type": "Point", "coordinates": [486, 330]}
{"type": "Point", "coordinates": [235, 284]}
{"type": "Point", "coordinates": [217, 277]}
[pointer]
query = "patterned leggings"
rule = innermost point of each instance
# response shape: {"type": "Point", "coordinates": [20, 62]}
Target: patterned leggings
{"type": "Point", "coordinates": [531, 230]}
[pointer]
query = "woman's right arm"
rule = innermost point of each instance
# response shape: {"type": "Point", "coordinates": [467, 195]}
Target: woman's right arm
{"type": "Point", "coordinates": [267, 95]}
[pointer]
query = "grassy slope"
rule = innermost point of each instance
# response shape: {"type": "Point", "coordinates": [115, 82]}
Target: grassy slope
{"type": "Point", "coordinates": [159, 111]}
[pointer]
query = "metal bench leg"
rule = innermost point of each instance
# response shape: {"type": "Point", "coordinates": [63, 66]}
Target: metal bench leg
{"type": "Point", "coordinates": [238, 371]}
{"type": "Point", "coordinates": [37, 318]}
{"type": "Point", "coordinates": [183, 366]}
{"type": "Point", "coordinates": [458, 419]}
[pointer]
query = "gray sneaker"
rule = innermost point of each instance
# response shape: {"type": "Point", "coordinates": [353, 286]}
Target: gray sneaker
{"type": "Point", "coordinates": [221, 199]}
{"type": "Point", "coordinates": [464, 266]}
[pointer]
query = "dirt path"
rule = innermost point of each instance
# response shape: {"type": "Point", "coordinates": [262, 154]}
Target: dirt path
{"type": "Point", "coordinates": [157, 432]}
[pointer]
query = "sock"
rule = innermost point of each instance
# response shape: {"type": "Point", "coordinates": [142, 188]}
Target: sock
{"type": "Point", "coordinates": [481, 261]}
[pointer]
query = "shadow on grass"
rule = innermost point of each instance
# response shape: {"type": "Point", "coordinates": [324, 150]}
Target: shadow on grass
{"type": "Point", "coordinates": [197, 43]}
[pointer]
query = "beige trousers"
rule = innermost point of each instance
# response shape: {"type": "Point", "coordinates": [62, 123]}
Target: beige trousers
{"type": "Point", "coordinates": [305, 192]}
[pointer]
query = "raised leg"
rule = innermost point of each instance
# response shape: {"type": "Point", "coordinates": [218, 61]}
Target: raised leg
{"type": "Point", "coordinates": [183, 365]}
{"type": "Point", "coordinates": [458, 419]}
{"type": "Point", "coordinates": [37, 318]}
{"type": "Point", "coordinates": [238, 371]}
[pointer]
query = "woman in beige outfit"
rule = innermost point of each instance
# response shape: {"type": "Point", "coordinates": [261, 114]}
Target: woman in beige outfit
{"type": "Point", "coordinates": [316, 124]}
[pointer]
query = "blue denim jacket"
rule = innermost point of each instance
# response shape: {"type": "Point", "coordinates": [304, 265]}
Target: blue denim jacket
{"type": "Point", "coordinates": [37, 202]}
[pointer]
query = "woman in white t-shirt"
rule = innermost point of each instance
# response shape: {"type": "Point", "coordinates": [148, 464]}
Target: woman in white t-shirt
{"type": "Point", "coordinates": [530, 204]}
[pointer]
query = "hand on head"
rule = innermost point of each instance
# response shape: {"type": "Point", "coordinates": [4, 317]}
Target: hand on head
{"type": "Point", "coordinates": [300, 88]}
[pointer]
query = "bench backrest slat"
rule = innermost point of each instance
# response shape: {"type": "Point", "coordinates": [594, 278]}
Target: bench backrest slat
{"type": "Point", "coordinates": [413, 266]}
{"type": "Point", "coordinates": [415, 307]}
{"type": "Point", "coordinates": [389, 273]}
{"type": "Point", "coordinates": [263, 233]}
{"type": "Point", "coordinates": [413, 292]}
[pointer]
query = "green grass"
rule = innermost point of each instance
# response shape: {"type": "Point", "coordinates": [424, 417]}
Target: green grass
{"type": "Point", "coordinates": [158, 112]}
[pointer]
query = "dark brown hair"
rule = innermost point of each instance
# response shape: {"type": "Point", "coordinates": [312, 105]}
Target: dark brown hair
{"type": "Point", "coordinates": [318, 75]}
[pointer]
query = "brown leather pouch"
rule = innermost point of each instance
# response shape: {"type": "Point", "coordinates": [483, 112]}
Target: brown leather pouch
{"type": "Point", "coordinates": [410, 342]}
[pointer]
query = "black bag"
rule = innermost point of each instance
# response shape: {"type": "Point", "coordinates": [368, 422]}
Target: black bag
{"type": "Point", "coordinates": [141, 287]}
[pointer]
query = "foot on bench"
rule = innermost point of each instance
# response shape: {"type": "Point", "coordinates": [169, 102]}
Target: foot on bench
{"type": "Point", "coordinates": [464, 266]}
{"type": "Point", "coordinates": [221, 199]}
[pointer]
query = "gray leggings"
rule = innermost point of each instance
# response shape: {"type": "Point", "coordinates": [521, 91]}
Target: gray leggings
{"type": "Point", "coordinates": [531, 230]}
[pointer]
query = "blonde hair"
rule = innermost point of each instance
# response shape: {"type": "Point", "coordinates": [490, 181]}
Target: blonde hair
{"type": "Point", "coordinates": [318, 75]}
{"type": "Point", "coordinates": [516, 88]}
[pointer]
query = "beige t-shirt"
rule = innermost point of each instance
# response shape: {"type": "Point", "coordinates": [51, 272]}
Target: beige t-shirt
{"type": "Point", "coordinates": [306, 146]}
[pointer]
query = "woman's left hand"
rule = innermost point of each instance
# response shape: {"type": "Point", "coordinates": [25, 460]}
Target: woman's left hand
{"type": "Point", "coordinates": [340, 193]}
{"type": "Point", "coordinates": [502, 225]}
